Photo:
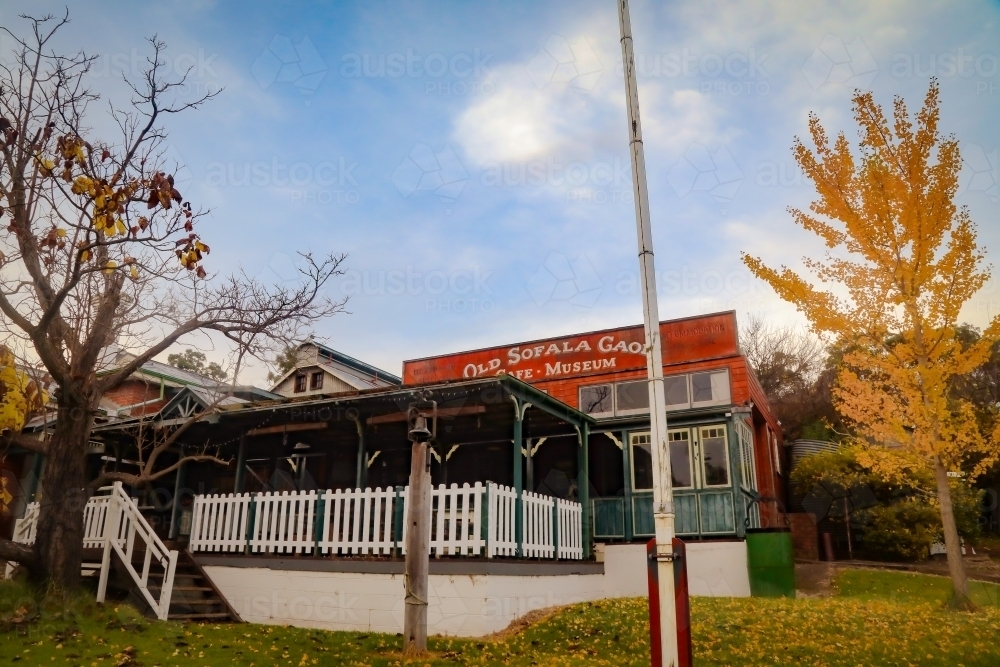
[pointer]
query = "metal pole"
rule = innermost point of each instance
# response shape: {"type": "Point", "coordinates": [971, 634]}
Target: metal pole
{"type": "Point", "coordinates": [418, 535]}
{"type": "Point", "coordinates": [663, 501]}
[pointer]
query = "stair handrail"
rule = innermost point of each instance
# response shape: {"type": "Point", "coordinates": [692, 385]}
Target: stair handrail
{"type": "Point", "coordinates": [25, 530]}
{"type": "Point", "coordinates": [123, 523]}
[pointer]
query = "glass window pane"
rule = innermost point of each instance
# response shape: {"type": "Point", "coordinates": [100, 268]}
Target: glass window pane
{"type": "Point", "coordinates": [632, 396]}
{"type": "Point", "coordinates": [715, 461]}
{"type": "Point", "coordinates": [642, 462]}
{"type": "Point", "coordinates": [596, 400]}
{"type": "Point", "coordinates": [701, 387]}
{"type": "Point", "coordinates": [720, 387]}
{"type": "Point", "coordinates": [680, 459]}
{"type": "Point", "coordinates": [676, 389]}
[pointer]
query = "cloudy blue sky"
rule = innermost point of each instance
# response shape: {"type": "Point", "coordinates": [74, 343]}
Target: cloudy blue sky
{"type": "Point", "coordinates": [471, 158]}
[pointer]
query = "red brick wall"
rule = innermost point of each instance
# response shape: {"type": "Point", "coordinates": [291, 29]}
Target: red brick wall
{"type": "Point", "coordinates": [132, 392]}
{"type": "Point", "coordinates": [805, 543]}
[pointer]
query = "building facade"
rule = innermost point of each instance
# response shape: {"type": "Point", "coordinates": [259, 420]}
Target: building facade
{"type": "Point", "coordinates": [725, 444]}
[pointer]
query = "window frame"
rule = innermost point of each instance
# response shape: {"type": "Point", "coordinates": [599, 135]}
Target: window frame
{"type": "Point", "coordinates": [687, 378]}
{"type": "Point", "coordinates": [300, 378]}
{"type": "Point", "coordinates": [313, 384]}
{"type": "Point", "coordinates": [579, 398]}
{"type": "Point", "coordinates": [701, 455]}
{"type": "Point", "coordinates": [631, 456]}
{"type": "Point", "coordinates": [748, 463]}
{"type": "Point", "coordinates": [631, 411]}
{"type": "Point", "coordinates": [713, 401]}
{"type": "Point", "coordinates": [687, 388]}
{"type": "Point", "coordinates": [691, 458]}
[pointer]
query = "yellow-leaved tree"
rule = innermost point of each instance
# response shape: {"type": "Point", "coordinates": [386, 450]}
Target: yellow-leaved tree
{"type": "Point", "coordinates": [19, 394]}
{"type": "Point", "coordinates": [902, 259]}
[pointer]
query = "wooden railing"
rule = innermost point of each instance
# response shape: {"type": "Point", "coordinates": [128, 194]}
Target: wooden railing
{"type": "Point", "coordinates": [25, 530]}
{"type": "Point", "coordinates": [476, 520]}
{"type": "Point", "coordinates": [112, 522]}
{"type": "Point", "coordinates": [123, 526]}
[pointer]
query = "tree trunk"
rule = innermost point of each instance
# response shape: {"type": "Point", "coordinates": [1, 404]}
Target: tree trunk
{"type": "Point", "coordinates": [952, 542]}
{"type": "Point", "coordinates": [59, 544]}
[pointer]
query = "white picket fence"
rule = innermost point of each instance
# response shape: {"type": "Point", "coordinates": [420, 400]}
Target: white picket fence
{"type": "Point", "coordinates": [538, 540]}
{"type": "Point", "coordinates": [456, 520]}
{"type": "Point", "coordinates": [469, 520]}
{"type": "Point", "coordinates": [503, 539]}
{"type": "Point", "coordinates": [569, 519]}
{"type": "Point", "coordinates": [358, 521]}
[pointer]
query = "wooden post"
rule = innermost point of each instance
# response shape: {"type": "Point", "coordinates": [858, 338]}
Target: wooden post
{"type": "Point", "coordinates": [418, 535]}
{"type": "Point", "coordinates": [518, 481]}
{"type": "Point", "coordinates": [241, 465]}
{"type": "Point", "coordinates": [111, 521]}
{"type": "Point", "coordinates": [627, 466]}
{"type": "Point", "coordinates": [529, 460]}
{"type": "Point", "coordinates": [33, 478]}
{"type": "Point", "coordinates": [583, 482]}
{"type": "Point", "coordinates": [361, 476]}
{"type": "Point", "coordinates": [175, 513]}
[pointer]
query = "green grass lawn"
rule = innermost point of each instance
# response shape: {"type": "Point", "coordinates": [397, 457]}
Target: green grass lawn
{"type": "Point", "coordinates": [876, 618]}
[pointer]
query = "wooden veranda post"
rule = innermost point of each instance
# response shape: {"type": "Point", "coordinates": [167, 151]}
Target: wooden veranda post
{"type": "Point", "coordinates": [241, 465]}
{"type": "Point", "coordinates": [418, 536]}
{"type": "Point", "coordinates": [361, 476]}
{"type": "Point", "coordinates": [517, 447]}
{"type": "Point", "coordinates": [583, 482]}
{"type": "Point", "coordinates": [175, 510]}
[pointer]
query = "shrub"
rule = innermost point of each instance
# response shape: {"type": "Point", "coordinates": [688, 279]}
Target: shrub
{"type": "Point", "coordinates": [897, 519]}
{"type": "Point", "coordinates": [902, 530]}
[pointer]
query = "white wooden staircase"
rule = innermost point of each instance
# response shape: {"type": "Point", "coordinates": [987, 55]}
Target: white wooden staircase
{"type": "Point", "coordinates": [113, 525]}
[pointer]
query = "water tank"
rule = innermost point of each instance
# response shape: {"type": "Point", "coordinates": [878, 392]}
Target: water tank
{"type": "Point", "coordinates": [803, 448]}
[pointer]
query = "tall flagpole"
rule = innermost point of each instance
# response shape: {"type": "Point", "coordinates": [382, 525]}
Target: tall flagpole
{"type": "Point", "coordinates": [663, 495]}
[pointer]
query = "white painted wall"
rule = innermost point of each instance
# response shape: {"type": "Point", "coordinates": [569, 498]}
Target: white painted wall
{"type": "Point", "coordinates": [715, 569]}
{"type": "Point", "coordinates": [718, 569]}
{"type": "Point", "coordinates": [461, 605]}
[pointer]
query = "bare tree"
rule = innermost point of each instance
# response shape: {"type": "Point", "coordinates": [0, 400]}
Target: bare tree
{"type": "Point", "coordinates": [782, 357]}
{"type": "Point", "coordinates": [794, 370]}
{"type": "Point", "coordinates": [101, 248]}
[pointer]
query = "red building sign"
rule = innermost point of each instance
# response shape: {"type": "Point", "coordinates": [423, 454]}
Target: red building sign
{"type": "Point", "coordinates": [610, 351]}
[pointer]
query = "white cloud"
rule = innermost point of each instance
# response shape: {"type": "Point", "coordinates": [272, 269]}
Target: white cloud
{"type": "Point", "coordinates": [543, 106]}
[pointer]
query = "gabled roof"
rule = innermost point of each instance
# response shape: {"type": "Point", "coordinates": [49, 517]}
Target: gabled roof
{"type": "Point", "coordinates": [173, 375]}
{"type": "Point", "coordinates": [352, 363]}
{"type": "Point", "coordinates": [191, 397]}
{"type": "Point", "coordinates": [176, 377]}
{"type": "Point", "coordinates": [347, 369]}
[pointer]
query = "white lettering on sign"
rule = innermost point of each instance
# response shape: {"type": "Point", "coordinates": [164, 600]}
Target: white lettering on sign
{"type": "Point", "coordinates": [475, 370]}
{"type": "Point", "coordinates": [515, 354]}
{"type": "Point", "coordinates": [608, 344]}
{"type": "Point", "coordinates": [559, 367]}
{"type": "Point", "coordinates": [519, 354]}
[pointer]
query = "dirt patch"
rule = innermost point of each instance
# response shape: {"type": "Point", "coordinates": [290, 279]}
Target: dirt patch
{"type": "Point", "coordinates": [814, 580]}
{"type": "Point", "coordinates": [521, 624]}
